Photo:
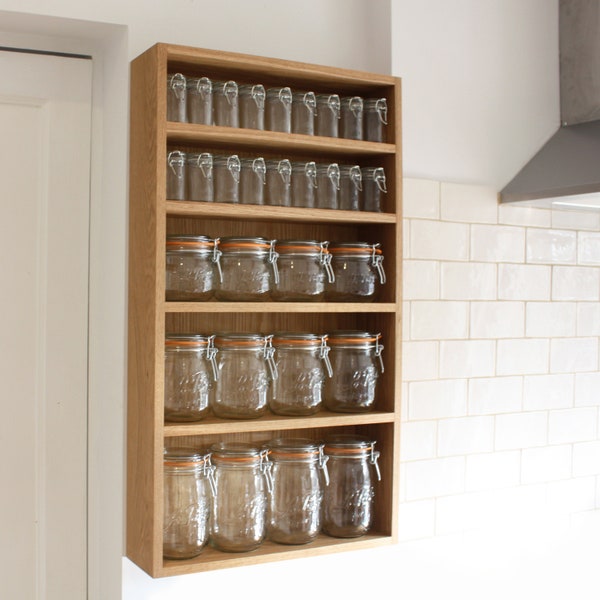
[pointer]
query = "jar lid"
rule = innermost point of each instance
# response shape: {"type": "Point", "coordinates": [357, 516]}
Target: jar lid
{"type": "Point", "coordinates": [292, 339]}
{"type": "Point", "coordinates": [377, 103]}
{"type": "Point", "coordinates": [176, 80]}
{"type": "Point", "coordinates": [354, 248]}
{"type": "Point", "coordinates": [333, 99]}
{"type": "Point", "coordinates": [184, 457]}
{"type": "Point", "coordinates": [348, 444]}
{"type": "Point", "coordinates": [284, 94]}
{"type": "Point", "coordinates": [235, 452]}
{"type": "Point", "coordinates": [200, 85]}
{"type": "Point", "coordinates": [249, 89]}
{"type": "Point", "coordinates": [241, 340]}
{"type": "Point", "coordinates": [190, 243]}
{"type": "Point", "coordinates": [301, 247]}
{"type": "Point", "coordinates": [176, 158]}
{"type": "Point", "coordinates": [254, 245]}
{"type": "Point", "coordinates": [186, 341]}
{"type": "Point", "coordinates": [353, 338]}
{"type": "Point", "coordinates": [354, 103]}
{"type": "Point", "coordinates": [293, 448]}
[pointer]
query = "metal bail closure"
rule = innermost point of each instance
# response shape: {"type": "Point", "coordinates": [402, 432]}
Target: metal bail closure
{"type": "Point", "coordinates": [269, 353]}
{"type": "Point", "coordinates": [378, 352]}
{"type": "Point", "coordinates": [324, 355]}
{"type": "Point", "coordinates": [356, 105]}
{"type": "Point", "coordinates": [310, 101]}
{"type": "Point", "coordinates": [284, 168]}
{"type": "Point", "coordinates": [260, 168]}
{"type": "Point", "coordinates": [373, 460]}
{"type": "Point", "coordinates": [333, 172]}
{"type": "Point", "coordinates": [178, 84]}
{"type": "Point", "coordinates": [176, 160]}
{"type": "Point", "coordinates": [381, 108]}
{"type": "Point", "coordinates": [323, 459]}
{"type": "Point", "coordinates": [216, 258]}
{"type": "Point", "coordinates": [379, 179]}
{"type": "Point", "coordinates": [273, 256]}
{"type": "Point", "coordinates": [234, 166]}
{"type": "Point", "coordinates": [356, 177]}
{"type": "Point", "coordinates": [258, 95]}
{"type": "Point", "coordinates": [230, 91]}
{"type": "Point", "coordinates": [210, 473]}
{"type": "Point", "coordinates": [265, 468]}
{"type": "Point", "coordinates": [311, 173]}
{"type": "Point", "coordinates": [211, 353]}
{"type": "Point", "coordinates": [334, 104]}
{"type": "Point", "coordinates": [377, 260]}
{"type": "Point", "coordinates": [205, 163]}
{"type": "Point", "coordinates": [285, 95]}
{"type": "Point", "coordinates": [204, 86]}
{"type": "Point", "coordinates": [325, 259]}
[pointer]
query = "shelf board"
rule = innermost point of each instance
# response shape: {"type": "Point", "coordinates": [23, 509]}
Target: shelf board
{"type": "Point", "coordinates": [212, 425]}
{"type": "Point", "coordinates": [280, 307]}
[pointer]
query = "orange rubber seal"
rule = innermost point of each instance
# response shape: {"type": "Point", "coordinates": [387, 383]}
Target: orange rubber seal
{"type": "Point", "coordinates": [333, 341]}
{"type": "Point", "coordinates": [190, 243]}
{"type": "Point", "coordinates": [188, 343]}
{"type": "Point", "coordinates": [245, 245]}
{"type": "Point", "coordinates": [354, 250]}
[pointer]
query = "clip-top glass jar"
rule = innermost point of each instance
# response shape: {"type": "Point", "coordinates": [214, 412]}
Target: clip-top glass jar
{"type": "Point", "coordinates": [304, 269]}
{"type": "Point", "coordinates": [253, 176]}
{"type": "Point", "coordinates": [199, 175]}
{"type": "Point", "coordinates": [299, 474]}
{"type": "Point", "coordinates": [327, 121]}
{"type": "Point", "coordinates": [190, 374]}
{"type": "Point", "coordinates": [352, 118]}
{"type": "Point", "coordinates": [375, 119]}
{"type": "Point", "coordinates": [176, 97]}
{"type": "Point", "coordinates": [328, 186]}
{"type": "Point", "coordinates": [302, 365]}
{"type": "Point", "coordinates": [225, 103]}
{"type": "Point", "coordinates": [199, 100]}
{"type": "Point", "coordinates": [176, 170]}
{"type": "Point", "coordinates": [187, 502]}
{"type": "Point", "coordinates": [252, 106]}
{"type": "Point", "coordinates": [374, 186]}
{"type": "Point", "coordinates": [192, 267]}
{"type": "Point", "coordinates": [350, 187]}
{"type": "Point", "coordinates": [226, 175]}
{"type": "Point", "coordinates": [348, 499]}
{"type": "Point", "coordinates": [279, 180]}
{"type": "Point", "coordinates": [246, 368]}
{"type": "Point", "coordinates": [304, 109]}
{"type": "Point", "coordinates": [356, 364]}
{"type": "Point", "coordinates": [242, 482]}
{"type": "Point", "coordinates": [304, 184]}
{"type": "Point", "coordinates": [279, 110]}
{"type": "Point", "coordinates": [249, 269]}
{"type": "Point", "coordinates": [358, 269]}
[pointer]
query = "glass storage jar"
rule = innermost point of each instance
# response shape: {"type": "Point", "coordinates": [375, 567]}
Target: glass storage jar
{"type": "Point", "coordinates": [304, 109]}
{"type": "Point", "coordinates": [327, 119]}
{"type": "Point", "coordinates": [328, 186]}
{"type": "Point", "coordinates": [351, 121]}
{"type": "Point", "coordinates": [176, 97]}
{"type": "Point", "coordinates": [375, 119]}
{"type": "Point", "coordinates": [350, 187]}
{"type": "Point", "coordinates": [192, 267]}
{"type": "Point", "coordinates": [279, 182]}
{"type": "Point", "coordinates": [304, 268]}
{"type": "Point", "coordinates": [226, 174]}
{"type": "Point", "coordinates": [358, 269]}
{"type": "Point", "coordinates": [252, 106]}
{"type": "Point", "coordinates": [176, 175]}
{"type": "Point", "coordinates": [348, 499]}
{"type": "Point", "coordinates": [199, 175]}
{"type": "Point", "coordinates": [304, 184]}
{"type": "Point", "coordinates": [302, 364]}
{"type": "Point", "coordinates": [190, 374]}
{"type": "Point", "coordinates": [374, 187]}
{"type": "Point", "coordinates": [226, 103]}
{"type": "Point", "coordinates": [199, 100]}
{"type": "Point", "coordinates": [356, 364]}
{"type": "Point", "coordinates": [246, 369]}
{"type": "Point", "coordinates": [299, 473]}
{"type": "Point", "coordinates": [249, 269]}
{"type": "Point", "coordinates": [278, 109]}
{"type": "Point", "coordinates": [252, 181]}
{"type": "Point", "coordinates": [187, 502]}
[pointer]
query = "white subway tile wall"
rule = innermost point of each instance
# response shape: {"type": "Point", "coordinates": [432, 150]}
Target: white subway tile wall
{"type": "Point", "coordinates": [501, 372]}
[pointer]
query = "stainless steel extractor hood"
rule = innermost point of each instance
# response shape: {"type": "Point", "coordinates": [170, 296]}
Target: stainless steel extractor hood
{"type": "Point", "coordinates": [566, 170]}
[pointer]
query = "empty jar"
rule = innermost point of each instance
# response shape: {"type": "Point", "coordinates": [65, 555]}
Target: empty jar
{"type": "Point", "coordinates": [242, 484]}
{"type": "Point", "coordinates": [176, 175]}
{"type": "Point", "coordinates": [226, 174]}
{"type": "Point", "coordinates": [304, 109]}
{"type": "Point", "coordinates": [374, 187]}
{"type": "Point", "coordinates": [187, 502]}
{"type": "Point", "coordinates": [328, 186]}
{"type": "Point", "coordinates": [304, 184]}
{"type": "Point", "coordinates": [302, 367]}
{"type": "Point", "coordinates": [192, 268]}
{"type": "Point", "coordinates": [252, 181]}
{"type": "Point", "coordinates": [278, 110]}
{"type": "Point", "coordinates": [279, 180]}
{"type": "Point", "coordinates": [299, 473]}
{"type": "Point", "coordinates": [199, 100]}
{"type": "Point", "coordinates": [348, 499]}
{"type": "Point", "coordinates": [225, 103]}
{"type": "Point", "coordinates": [351, 121]}
{"type": "Point", "coordinates": [350, 187]}
{"type": "Point", "coordinates": [356, 364]}
{"type": "Point", "coordinates": [199, 174]}
{"type": "Point", "coordinates": [375, 119]}
{"type": "Point", "coordinates": [358, 270]}
{"type": "Point", "coordinates": [190, 374]}
{"type": "Point", "coordinates": [252, 106]}
{"type": "Point", "coordinates": [327, 120]}
{"type": "Point", "coordinates": [246, 368]}
{"type": "Point", "coordinates": [176, 97]}
{"type": "Point", "coordinates": [304, 270]}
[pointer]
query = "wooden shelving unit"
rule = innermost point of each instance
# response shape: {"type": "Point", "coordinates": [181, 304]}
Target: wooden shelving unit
{"type": "Point", "coordinates": [153, 216]}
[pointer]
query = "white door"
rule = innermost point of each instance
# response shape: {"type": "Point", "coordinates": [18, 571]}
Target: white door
{"type": "Point", "coordinates": [45, 113]}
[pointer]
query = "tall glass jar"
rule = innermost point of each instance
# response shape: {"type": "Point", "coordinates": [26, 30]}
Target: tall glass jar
{"type": "Point", "coordinates": [356, 364]}
{"type": "Point", "coordinates": [348, 499]}
{"type": "Point", "coordinates": [375, 119]}
{"type": "Point", "coordinates": [190, 375]}
{"type": "Point", "coordinates": [192, 267]}
{"type": "Point", "coordinates": [252, 181]}
{"type": "Point", "coordinates": [252, 106]}
{"type": "Point", "coordinates": [226, 103]}
{"type": "Point", "coordinates": [328, 186]}
{"type": "Point", "coordinates": [299, 475]}
{"type": "Point", "coordinates": [176, 97]}
{"type": "Point", "coordinates": [304, 184]}
{"type": "Point", "coordinates": [176, 169]}
{"type": "Point", "coordinates": [304, 109]}
{"type": "Point", "coordinates": [249, 269]}
{"type": "Point", "coordinates": [358, 270]}
{"type": "Point", "coordinates": [245, 371]}
{"type": "Point", "coordinates": [242, 481]}
{"type": "Point", "coordinates": [352, 118]}
{"type": "Point", "coordinates": [374, 187]}
{"type": "Point", "coordinates": [187, 502]}
{"type": "Point", "coordinates": [279, 181]}
{"type": "Point", "coordinates": [302, 366]}
{"type": "Point", "coordinates": [278, 110]}
{"type": "Point", "coordinates": [327, 121]}
{"type": "Point", "coordinates": [199, 100]}
{"type": "Point", "coordinates": [199, 175]}
{"type": "Point", "coordinates": [304, 269]}
{"type": "Point", "coordinates": [350, 187]}
{"type": "Point", "coordinates": [226, 174]}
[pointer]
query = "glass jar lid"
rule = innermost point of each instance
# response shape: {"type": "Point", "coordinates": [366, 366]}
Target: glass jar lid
{"type": "Point", "coordinates": [185, 457]}
{"type": "Point", "coordinates": [355, 249]}
{"type": "Point", "coordinates": [308, 247]}
{"type": "Point", "coordinates": [185, 341]}
{"type": "Point", "coordinates": [354, 339]}
{"type": "Point", "coordinates": [200, 85]}
{"type": "Point", "coordinates": [379, 105]}
{"type": "Point", "coordinates": [283, 94]}
{"type": "Point", "coordinates": [176, 158]}
{"type": "Point", "coordinates": [249, 245]}
{"type": "Point", "coordinates": [177, 82]}
{"type": "Point", "coordinates": [307, 98]}
{"type": "Point", "coordinates": [236, 452]}
{"type": "Point", "coordinates": [352, 446]}
{"type": "Point", "coordinates": [353, 103]}
{"type": "Point", "coordinates": [376, 174]}
{"type": "Point", "coordinates": [298, 340]}
{"type": "Point", "coordinates": [241, 340]}
{"type": "Point", "coordinates": [190, 243]}
{"type": "Point", "coordinates": [294, 449]}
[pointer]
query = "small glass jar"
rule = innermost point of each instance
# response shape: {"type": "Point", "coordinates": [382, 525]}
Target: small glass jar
{"type": "Point", "coordinates": [328, 186]}
{"type": "Point", "coordinates": [226, 103]}
{"type": "Point", "coordinates": [278, 110]}
{"type": "Point", "coordinates": [279, 182]}
{"type": "Point", "coordinates": [358, 269]}
{"type": "Point", "coordinates": [252, 106]}
{"type": "Point", "coordinates": [190, 374]}
{"type": "Point", "coordinates": [375, 119]}
{"type": "Point", "coordinates": [304, 184]}
{"type": "Point", "coordinates": [176, 97]}
{"type": "Point", "coordinates": [356, 364]}
{"type": "Point", "coordinates": [176, 175]}
{"type": "Point", "coordinates": [199, 100]}
{"type": "Point", "coordinates": [242, 482]}
{"type": "Point", "coordinates": [226, 174]}
{"type": "Point", "coordinates": [327, 121]}
{"type": "Point", "coordinates": [374, 187]}
{"type": "Point", "coordinates": [187, 502]}
{"type": "Point", "coordinates": [192, 267]}
{"type": "Point", "coordinates": [252, 181]}
{"type": "Point", "coordinates": [351, 121]}
{"type": "Point", "coordinates": [249, 269]}
{"type": "Point", "coordinates": [304, 269]}
{"type": "Point", "coordinates": [304, 109]}
{"type": "Point", "coordinates": [348, 499]}
{"type": "Point", "coordinates": [302, 366]}
{"type": "Point", "coordinates": [199, 175]}
{"type": "Point", "coordinates": [299, 473]}
{"type": "Point", "coordinates": [350, 187]}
